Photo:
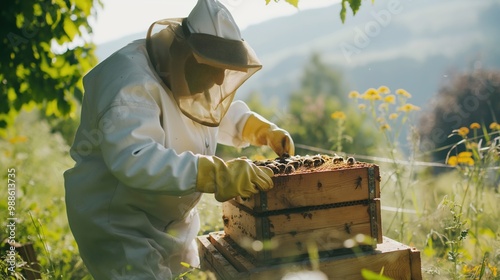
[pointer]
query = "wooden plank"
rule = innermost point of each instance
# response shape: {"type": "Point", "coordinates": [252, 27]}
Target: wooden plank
{"type": "Point", "coordinates": [234, 256]}
{"type": "Point", "coordinates": [212, 260]}
{"type": "Point", "coordinates": [288, 235]}
{"type": "Point", "coordinates": [315, 188]}
{"type": "Point", "coordinates": [415, 264]}
{"type": "Point", "coordinates": [397, 260]}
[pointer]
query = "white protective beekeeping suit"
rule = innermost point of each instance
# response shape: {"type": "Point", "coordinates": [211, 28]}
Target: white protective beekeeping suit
{"type": "Point", "coordinates": [132, 192]}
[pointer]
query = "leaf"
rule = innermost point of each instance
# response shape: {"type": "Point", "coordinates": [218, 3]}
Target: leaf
{"type": "Point", "coordinates": [294, 3]}
{"type": "Point", "coordinates": [70, 28]}
{"type": "Point", "coordinates": [355, 4]}
{"type": "Point", "coordinates": [343, 11]}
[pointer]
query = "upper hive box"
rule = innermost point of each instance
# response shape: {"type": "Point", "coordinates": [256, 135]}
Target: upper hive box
{"type": "Point", "coordinates": [319, 203]}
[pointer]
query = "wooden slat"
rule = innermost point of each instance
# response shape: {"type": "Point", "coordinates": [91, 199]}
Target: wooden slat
{"type": "Point", "coordinates": [287, 235]}
{"type": "Point", "coordinates": [232, 254]}
{"type": "Point", "coordinates": [415, 264]}
{"type": "Point", "coordinates": [315, 188]}
{"type": "Point", "coordinates": [214, 261]}
{"type": "Point", "coordinates": [397, 260]}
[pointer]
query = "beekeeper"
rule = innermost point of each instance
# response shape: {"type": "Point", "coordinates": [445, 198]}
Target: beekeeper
{"type": "Point", "coordinates": [152, 115]}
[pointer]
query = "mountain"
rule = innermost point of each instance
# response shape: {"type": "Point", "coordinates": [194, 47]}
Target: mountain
{"type": "Point", "coordinates": [413, 45]}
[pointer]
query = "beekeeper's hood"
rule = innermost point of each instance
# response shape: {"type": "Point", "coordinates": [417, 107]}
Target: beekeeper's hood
{"type": "Point", "coordinates": [203, 60]}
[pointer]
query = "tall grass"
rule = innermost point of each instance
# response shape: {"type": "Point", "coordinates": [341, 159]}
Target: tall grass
{"type": "Point", "coordinates": [451, 218]}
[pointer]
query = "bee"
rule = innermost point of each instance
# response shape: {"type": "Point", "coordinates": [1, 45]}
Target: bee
{"type": "Point", "coordinates": [337, 160]}
{"type": "Point", "coordinates": [351, 161]}
{"type": "Point", "coordinates": [295, 164]}
{"type": "Point", "coordinates": [308, 162]}
{"type": "Point", "coordinates": [273, 168]}
{"type": "Point", "coordinates": [347, 227]}
{"type": "Point", "coordinates": [358, 182]}
{"type": "Point", "coordinates": [289, 169]}
{"type": "Point", "coordinates": [281, 167]}
{"type": "Point", "coordinates": [318, 162]}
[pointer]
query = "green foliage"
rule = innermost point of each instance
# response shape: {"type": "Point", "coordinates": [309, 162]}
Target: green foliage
{"type": "Point", "coordinates": [353, 4]}
{"type": "Point", "coordinates": [39, 157]}
{"type": "Point", "coordinates": [311, 119]}
{"type": "Point", "coordinates": [468, 98]}
{"type": "Point", "coordinates": [45, 52]}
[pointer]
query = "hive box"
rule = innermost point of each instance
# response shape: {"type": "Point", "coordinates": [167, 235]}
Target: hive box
{"type": "Point", "coordinates": [330, 210]}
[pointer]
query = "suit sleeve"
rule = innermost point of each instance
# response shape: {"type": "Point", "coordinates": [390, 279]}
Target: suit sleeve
{"type": "Point", "coordinates": [231, 126]}
{"type": "Point", "coordinates": [132, 150]}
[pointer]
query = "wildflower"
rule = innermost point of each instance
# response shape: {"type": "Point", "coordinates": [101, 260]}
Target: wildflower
{"type": "Point", "coordinates": [493, 269]}
{"type": "Point", "coordinates": [465, 158]}
{"type": "Point", "coordinates": [475, 126]}
{"type": "Point", "coordinates": [384, 90]}
{"type": "Point", "coordinates": [403, 92]}
{"type": "Point", "coordinates": [390, 99]}
{"type": "Point", "coordinates": [463, 131]}
{"type": "Point", "coordinates": [371, 94]}
{"type": "Point", "coordinates": [18, 139]}
{"type": "Point", "coordinates": [393, 116]}
{"type": "Point", "coordinates": [494, 126]}
{"type": "Point", "coordinates": [338, 115]}
{"type": "Point", "coordinates": [385, 127]}
{"type": "Point", "coordinates": [362, 107]}
{"type": "Point", "coordinates": [453, 161]}
{"type": "Point", "coordinates": [408, 108]}
{"type": "Point", "coordinates": [354, 94]}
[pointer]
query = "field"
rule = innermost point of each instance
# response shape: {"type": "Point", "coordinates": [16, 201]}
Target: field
{"type": "Point", "coordinates": [452, 218]}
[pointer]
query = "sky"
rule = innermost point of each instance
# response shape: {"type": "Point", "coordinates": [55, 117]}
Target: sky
{"type": "Point", "coordinates": [119, 18]}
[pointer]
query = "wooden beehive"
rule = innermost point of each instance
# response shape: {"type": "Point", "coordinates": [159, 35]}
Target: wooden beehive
{"type": "Point", "coordinates": [330, 209]}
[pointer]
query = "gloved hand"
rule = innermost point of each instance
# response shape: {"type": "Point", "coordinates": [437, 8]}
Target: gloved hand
{"type": "Point", "coordinates": [258, 131]}
{"type": "Point", "coordinates": [238, 177]}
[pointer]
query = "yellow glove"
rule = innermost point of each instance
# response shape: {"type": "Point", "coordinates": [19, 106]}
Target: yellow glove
{"type": "Point", "coordinates": [258, 131]}
{"type": "Point", "coordinates": [238, 177]}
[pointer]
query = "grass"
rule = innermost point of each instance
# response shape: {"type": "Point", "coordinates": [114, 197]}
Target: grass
{"type": "Point", "coordinates": [451, 218]}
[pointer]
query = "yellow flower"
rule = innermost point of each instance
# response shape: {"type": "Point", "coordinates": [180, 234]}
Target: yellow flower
{"type": "Point", "coordinates": [371, 94]}
{"type": "Point", "coordinates": [475, 126]}
{"type": "Point", "coordinates": [385, 127]}
{"type": "Point", "coordinates": [494, 269]}
{"type": "Point", "coordinates": [463, 131]}
{"type": "Point", "coordinates": [494, 126]}
{"type": "Point", "coordinates": [465, 154]}
{"type": "Point", "coordinates": [465, 158]}
{"type": "Point", "coordinates": [338, 115]}
{"type": "Point", "coordinates": [354, 94]}
{"type": "Point", "coordinates": [393, 116]}
{"type": "Point", "coordinates": [453, 161]}
{"type": "Point", "coordinates": [390, 99]}
{"type": "Point", "coordinates": [18, 139]}
{"type": "Point", "coordinates": [362, 106]}
{"type": "Point", "coordinates": [462, 158]}
{"type": "Point", "coordinates": [403, 92]}
{"type": "Point", "coordinates": [384, 90]}
{"type": "Point", "coordinates": [408, 108]}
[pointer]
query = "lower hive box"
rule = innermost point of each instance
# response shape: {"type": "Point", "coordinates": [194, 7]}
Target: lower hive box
{"type": "Point", "coordinates": [321, 203]}
{"type": "Point", "coordinates": [391, 258]}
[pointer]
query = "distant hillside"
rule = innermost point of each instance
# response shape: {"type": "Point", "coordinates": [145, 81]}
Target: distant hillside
{"type": "Point", "coordinates": [401, 44]}
{"type": "Point", "coordinates": [411, 46]}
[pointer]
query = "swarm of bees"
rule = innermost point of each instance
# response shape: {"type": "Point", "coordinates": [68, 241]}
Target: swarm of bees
{"type": "Point", "coordinates": [288, 164]}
